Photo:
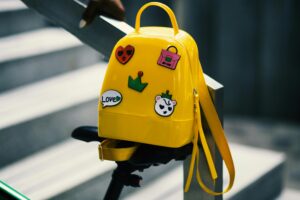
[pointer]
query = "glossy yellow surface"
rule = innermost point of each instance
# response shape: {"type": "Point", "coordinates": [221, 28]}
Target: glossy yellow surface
{"type": "Point", "coordinates": [135, 119]}
{"type": "Point", "coordinates": [133, 115]}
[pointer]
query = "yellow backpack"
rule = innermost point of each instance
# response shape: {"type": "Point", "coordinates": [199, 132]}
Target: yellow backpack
{"type": "Point", "coordinates": [152, 93]}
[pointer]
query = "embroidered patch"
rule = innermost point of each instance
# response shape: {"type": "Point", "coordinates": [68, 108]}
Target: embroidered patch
{"type": "Point", "coordinates": [136, 84]}
{"type": "Point", "coordinates": [164, 105]}
{"type": "Point", "coordinates": [123, 55]}
{"type": "Point", "coordinates": [110, 98]}
{"type": "Point", "coordinates": [168, 59]}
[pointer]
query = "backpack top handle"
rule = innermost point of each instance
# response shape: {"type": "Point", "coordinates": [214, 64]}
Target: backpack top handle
{"type": "Point", "coordinates": [164, 7]}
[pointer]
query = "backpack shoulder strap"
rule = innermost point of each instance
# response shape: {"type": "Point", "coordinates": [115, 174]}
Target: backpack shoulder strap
{"type": "Point", "coordinates": [204, 100]}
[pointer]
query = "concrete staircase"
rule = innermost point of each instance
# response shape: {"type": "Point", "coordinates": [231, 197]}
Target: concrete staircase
{"type": "Point", "coordinates": [49, 84]}
{"type": "Point", "coordinates": [16, 18]}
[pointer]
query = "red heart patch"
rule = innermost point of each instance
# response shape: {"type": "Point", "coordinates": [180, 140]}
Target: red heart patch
{"type": "Point", "coordinates": [123, 55]}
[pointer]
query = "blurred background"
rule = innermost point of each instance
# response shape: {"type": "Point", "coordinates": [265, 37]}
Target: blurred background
{"type": "Point", "coordinates": [251, 47]}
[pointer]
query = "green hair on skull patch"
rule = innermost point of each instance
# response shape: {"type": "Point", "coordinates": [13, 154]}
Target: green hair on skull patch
{"type": "Point", "coordinates": [166, 95]}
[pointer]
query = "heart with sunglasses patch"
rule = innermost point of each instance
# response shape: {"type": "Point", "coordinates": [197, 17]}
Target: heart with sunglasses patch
{"type": "Point", "coordinates": [123, 55]}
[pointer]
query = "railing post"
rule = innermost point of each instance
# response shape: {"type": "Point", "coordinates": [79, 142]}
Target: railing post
{"type": "Point", "coordinates": [217, 92]}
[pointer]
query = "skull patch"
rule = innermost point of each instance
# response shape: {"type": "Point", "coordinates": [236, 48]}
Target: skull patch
{"type": "Point", "coordinates": [164, 105]}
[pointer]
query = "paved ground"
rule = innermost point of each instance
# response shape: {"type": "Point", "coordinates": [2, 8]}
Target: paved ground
{"type": "Point", "coordinates": [269, 134]}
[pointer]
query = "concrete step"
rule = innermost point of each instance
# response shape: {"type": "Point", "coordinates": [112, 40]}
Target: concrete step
{"type": "Point", "coordinates": [15, 17]}
{"type": "Point", "coordinates": [45, 112]}
{"type": "Point", "coordinates": [259, 173]}
{"type": "Point", "coordinates": [272, 134]}
{"type": "Point", "coordinates": [39, 54]}
{"type": "Point", "coordinates": [71, 170]}
{"type": "Point", "coordinates": [289, 194]}
{"type": "Point", "coordinates": [259, 176]}
{"type": "Point", "coordinates": [56, 169]}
